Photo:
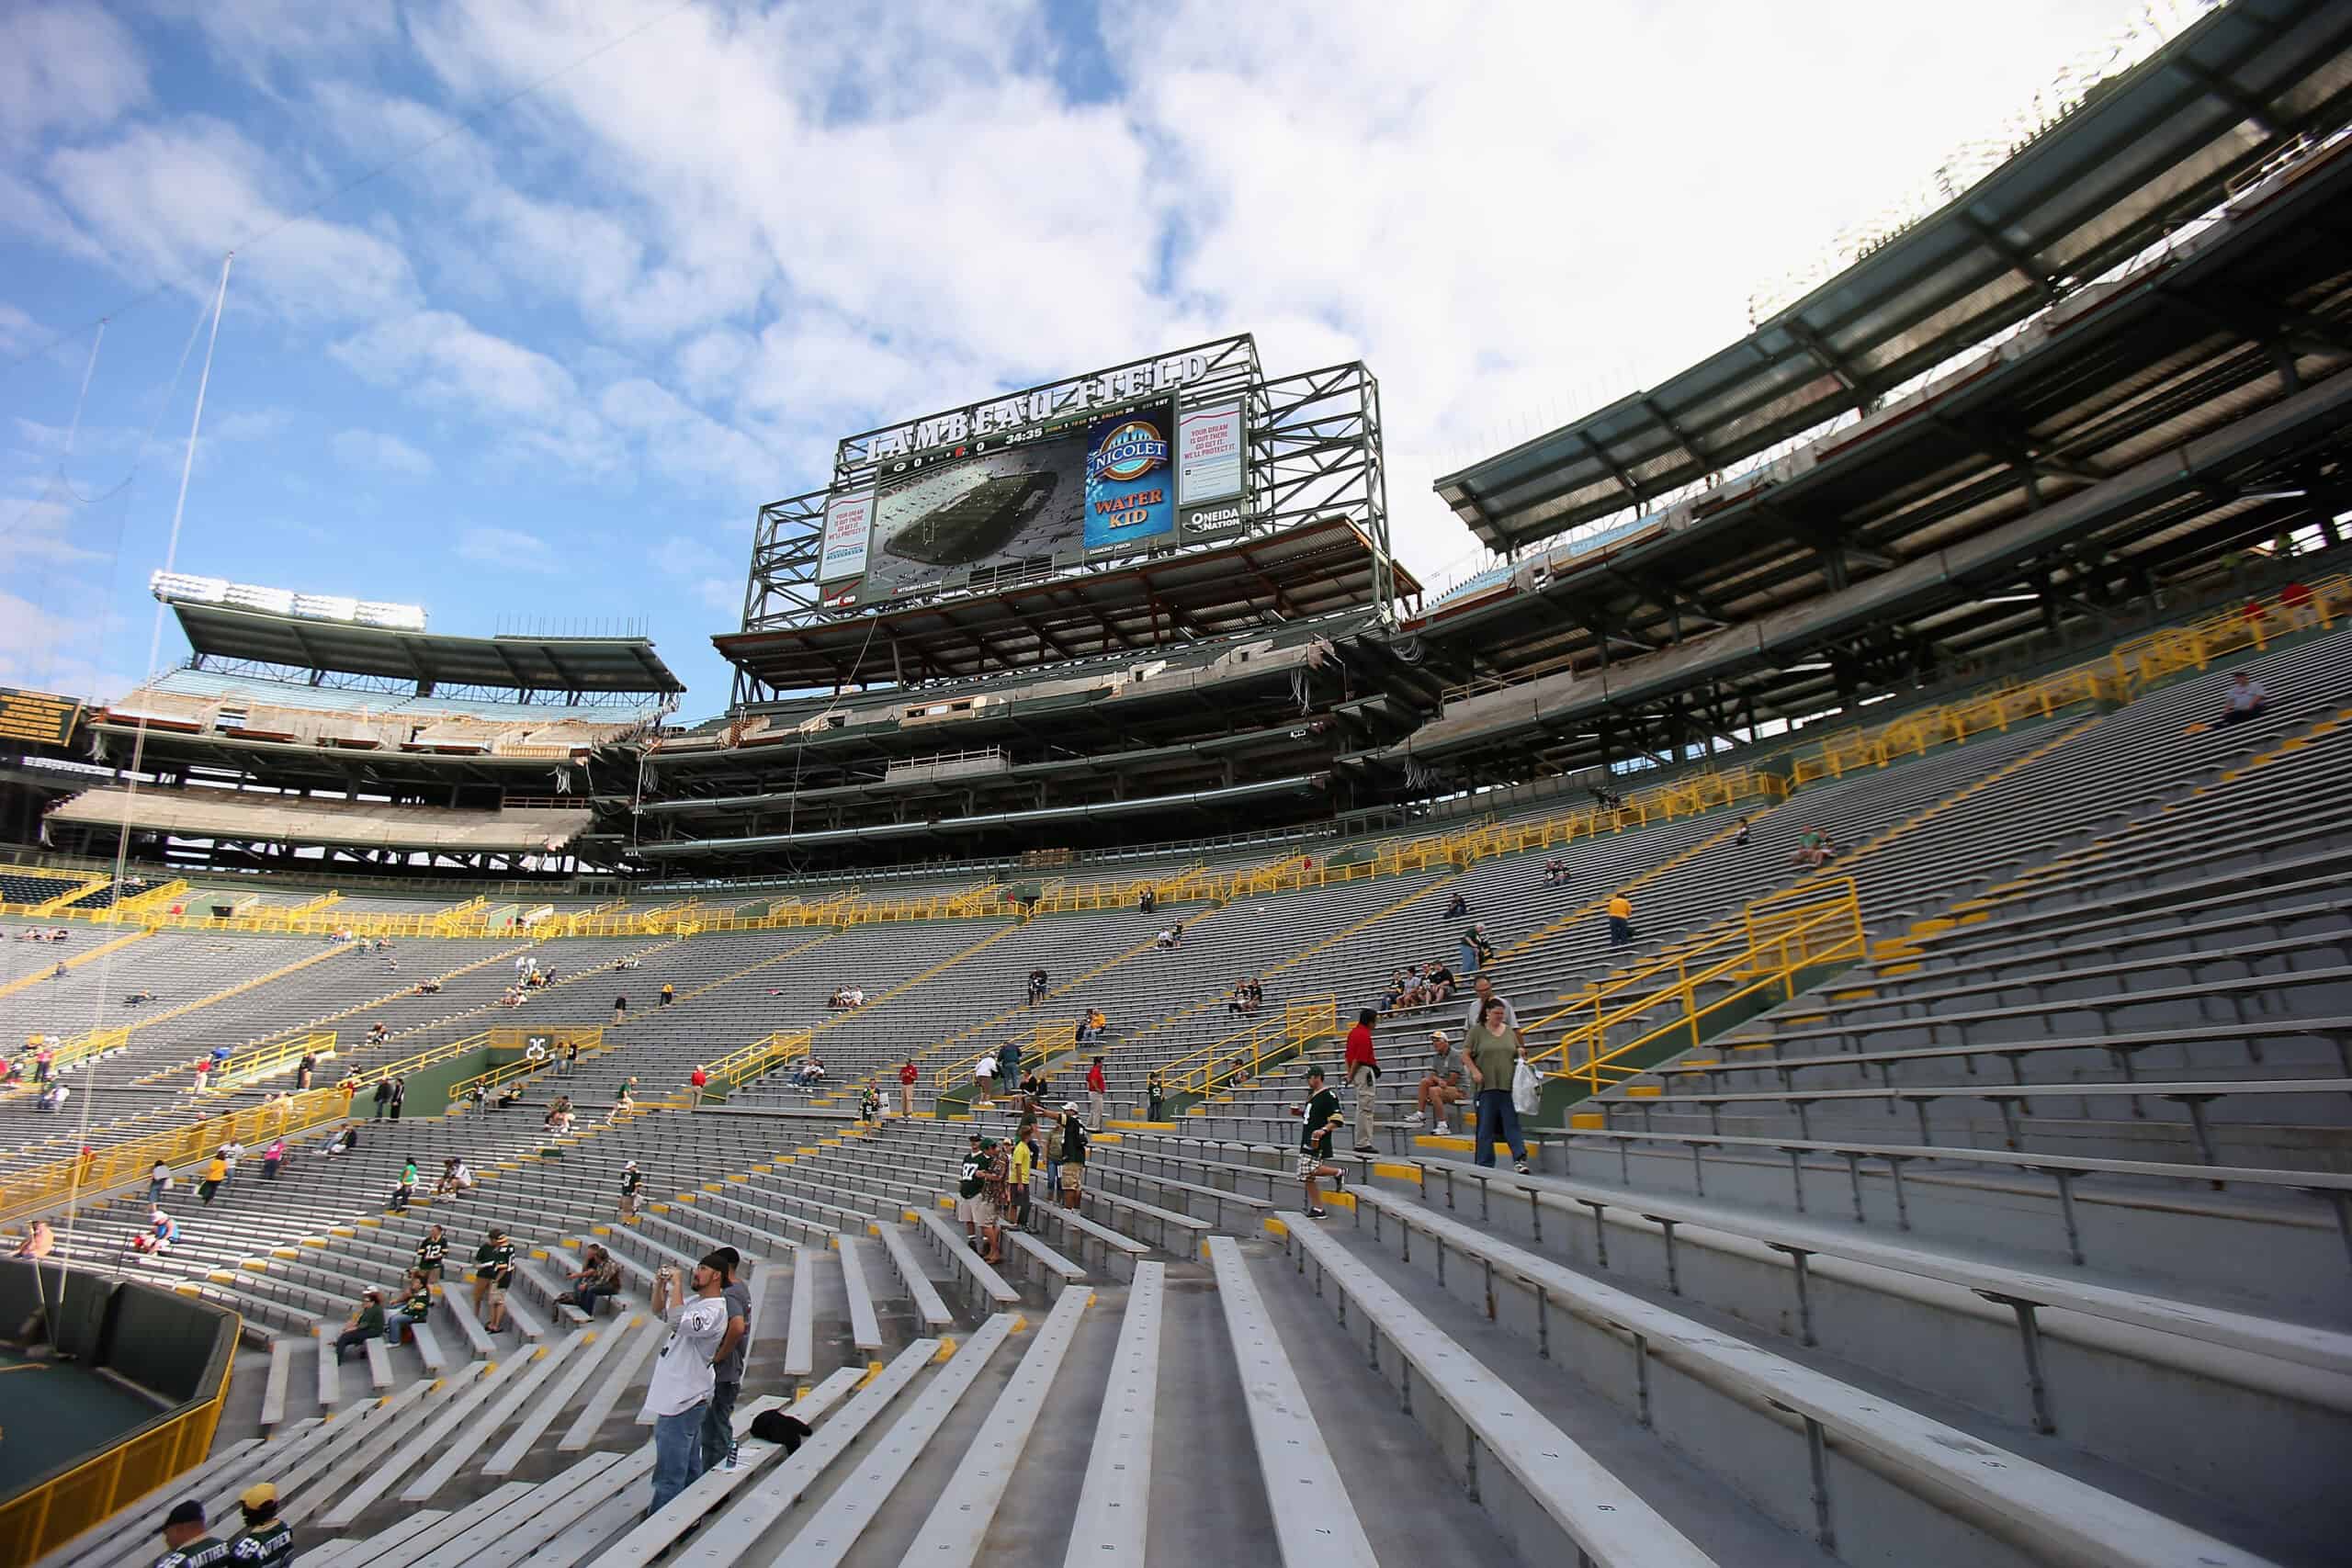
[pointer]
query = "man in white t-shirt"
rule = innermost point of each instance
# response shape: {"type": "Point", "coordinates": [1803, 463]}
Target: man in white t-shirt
{"type": "Point", "coordinates": [682, 1380]}
{"type": "Point", "coordinates": [1483, 989]}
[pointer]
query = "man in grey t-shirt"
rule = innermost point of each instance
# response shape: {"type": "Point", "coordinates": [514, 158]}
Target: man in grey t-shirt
{"type": "Point", "coordinates": [1481, 992]}
{"type": "Point", "coordinates": [727, 1370]}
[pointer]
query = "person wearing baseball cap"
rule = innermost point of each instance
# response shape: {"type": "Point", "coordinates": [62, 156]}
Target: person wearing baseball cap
{"type": "Point", "coordinates": [1441, 1085]}
{"type": "Point", "coordinates": [186, 1543]}
{"type": "Point", "coordinates": [267, 1538]}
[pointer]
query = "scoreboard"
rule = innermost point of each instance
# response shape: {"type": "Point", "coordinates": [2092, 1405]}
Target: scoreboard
{"type": "Point", "coordinates": [36, 718]}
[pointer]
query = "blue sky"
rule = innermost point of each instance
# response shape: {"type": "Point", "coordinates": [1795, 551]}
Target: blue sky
{"type": "Point", "coordinates": [545, 368]}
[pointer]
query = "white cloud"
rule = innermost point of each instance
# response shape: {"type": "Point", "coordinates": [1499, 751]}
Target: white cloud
{"type": "Point", "coordinates": [67, 68]}
{"type": "Point", "coordinates": [383, 453]}
{"type": "Point", "coordinates": [56, 647]}
{"type": "Point", "coordinates": [441, 359]}
{"type": "Point", "coordinates": [249, 424]}
{"type": "Point", "coordinates": [169, 202]}
{"type": "Point", "coordinates": [510, 550]}
{"type": "Point", "coordinates": [703, 571]}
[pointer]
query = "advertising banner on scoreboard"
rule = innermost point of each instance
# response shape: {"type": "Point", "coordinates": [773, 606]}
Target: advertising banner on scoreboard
{"type": "Point", "coordinates": [849, 528]}
{"type": "Point", "coordinates": [1130, 482]}
{"type": "Point", "coordinates": [1212, 473]}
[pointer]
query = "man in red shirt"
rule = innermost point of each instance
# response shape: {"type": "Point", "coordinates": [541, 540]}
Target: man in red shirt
{"type": "Point", "coordinates": [1098, 1089]}
{"type": "Point", "coordinates": [907, 1089]}
{"type": "Point", "coordinates": [696, 1082]}
{"type": "Point", "coordinates": [1363, 1072]}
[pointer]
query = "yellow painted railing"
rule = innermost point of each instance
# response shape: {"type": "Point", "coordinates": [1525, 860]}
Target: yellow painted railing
{"type": "Point", "coordinates": [1047, 1042]}
{"type": "Point", "coordinates": [36, 1521]}
{"type": "Point", "coordinates": [243, 1067]}
{"type": "Point", "coordinates": [82, 1047]}
{"type": "Point", "coordinates": [1249, 1049]}
{"type": "Point", "coordinates": [432, 1055]}
{"type": "Point", "coordinates": [2254, 626]}
{"type": "Point", "coordinates": [1913, 733]}
{"type": "Point", "coordinates": [762, 1055]}
{"type": "Point", "coordinates": [118, 1165]}
{"type": "Point", "coordinates": [133, 909]}
{"type": "Point", "coordinates": [590, 1038]}
{"type": "Point", "coordinates": [1777, 937]}
{"type": "Point", "coordinates": [75, 889]}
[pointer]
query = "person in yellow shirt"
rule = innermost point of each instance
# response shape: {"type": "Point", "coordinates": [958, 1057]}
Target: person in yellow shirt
{"type": "Point", "coordinates": [1621, 919]}
{"type": "Point", "coordinates": [1017, 1173]}
{"type": "Point", "coordinates": [214, 1175]}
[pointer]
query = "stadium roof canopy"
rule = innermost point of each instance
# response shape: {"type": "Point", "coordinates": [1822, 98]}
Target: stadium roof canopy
{"type": "Point", "coordinates": [2162, 142]}
{"type": "Point", "coordinates": [1312, 570]}
{"type": "Point", "coordinates": [525, 663]}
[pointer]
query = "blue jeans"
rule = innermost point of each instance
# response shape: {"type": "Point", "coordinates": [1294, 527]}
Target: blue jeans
{"type": "Point", "coordinates": [677, 1453]}
{"type": "Point", "coordinates": [1498, 1120]}
{"type": "Point", "coordinates": [1469, 960]}
{"type": "Point", "coordinates": [718, 1423]}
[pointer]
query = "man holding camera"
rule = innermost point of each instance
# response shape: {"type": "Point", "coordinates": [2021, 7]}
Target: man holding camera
{"type": "Point", "coordinates": [683, 1376]}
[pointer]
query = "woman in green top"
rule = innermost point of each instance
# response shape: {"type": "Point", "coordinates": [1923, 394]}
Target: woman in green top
{"type": "Point", "coordinates": [1493, 1050]}
{"type": "Point", "coordinates": [366, 1324]}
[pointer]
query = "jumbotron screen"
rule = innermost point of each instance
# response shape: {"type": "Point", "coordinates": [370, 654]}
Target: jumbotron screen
{"type": "Point", "coordinates": [1144, 473]}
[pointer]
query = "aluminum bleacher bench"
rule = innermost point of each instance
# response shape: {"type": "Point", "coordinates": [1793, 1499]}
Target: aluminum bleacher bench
{"type": "Point", "coordinates": [457, 1300]}
{"type": "Point", "coordinates": [229, 1466]}
{"type": "Point", "coordinates": [958, 1522]}
{"type": "Point", "coordinates": [1548, 1486]}
{"type": "Point", "coordinates": [595, 1348]}
{"type": "Point", "coordinates": [2330, 1187]}
{"type": "Point", "coordinates": [929, 1305]}
{"type": "Point", "coordinates": [724, 1539]}
{"type": "Point", "coordinates": [1051, 1267]}
{"type": "Point", "coordinates": [379, 1362]}
{"type": "Point", "coordinates": [800, 1316]}
{"type": "Point", "coordinates": [417, 1543]}
{"type": "Point", "coordinates": [1116, 1255]}
{"type": "Point", "coordinates": [2121, 1048]}
{"type": "Point", "coordinates": [612, 1503]}
{"type": "Point", "coordinates": [351, 1551]}
{"type": "Point", "coordinates": [1178, 1234]}
{"type": "Point", "coordinates": [642, 1343]}
{"type": "Point", "coordinates": [281, 1370]}
{"type": "Point", "coordinates": [328, 1368]}
{"type": "Point", "coordinates": [1315, 1525]}
{"type": "Point", "coordinates": [1246, 1210]}
{"type": "Point", "coordinates": [1517, 1196]}
{"type": "Point", "coordinates": [436, 1432]}
{"type": "Point", "coordinates": [983, 1282]}
{"type": "Point", "coordinates": [2047, 1513]}
{"type": "Point", "coordinates": [539, 1365]}
{"type": "Point", "coordinates": [2006, 1098]}
{"type": "Point", "coordinates": [864, 1329]}
{"type": "Point", "coordinates": [833, 1530]}
{"type": "Point", "coordinates": [368, 1434]}
{"type": "Point", "coordinates": [543, 1512]}
{"type": "Point", "coordinates": [1115, 1500]}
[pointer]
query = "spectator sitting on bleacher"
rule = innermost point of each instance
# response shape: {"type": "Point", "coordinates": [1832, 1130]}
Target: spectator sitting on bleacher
{"type": "Point", "coordinates": [1093, 1026]}
{"type": "Point", "coordinates": [1034, 1090]}
{"type": "Point", "coordinates": [346, 1139]}
{"type": "Point", "coordinates": [1458, 908]}
{"type": "Point", "coordinates": [39, 1242]}
{"type": "Point", "coordinates": [366, 1324]}
{"type": "Point", "coordinates": [1037, 986]}
{"type": "Point", "coordinates": [52, 1098]}
{"type": "Point", "coordinates": [405, 1189]}
{"type": "Point", "coordinates": [1248, 997]}
{"type": "Point", "coordinates": [1441, 1085]}
{"type": "Point", "coordinates": [415, 1306]}
{"type": "Point", "coordinates": [378, 1033]}
{"type": "Point", "coordinates": [1399, 988]}
{"type": "Point", "coordinates": [1169, 936]}
{"type": "Point", "coordinates": [136, 998]}
{"type": "Point", "coordinates": [1809, 848]}
{"type": "Point", "coordinates": [1554, 872]}
{"type": "Point", "coordinates": [625, 964]}
{"type": "Point", "coordinates": [457, 1178]}
{"type": "Point", "coordinates": [513, 1095]}
{"type": "Point", "coordinates": [162, 1233]}
{"type": "Point", "coordinates": [598, 1278]}
{"type": "Point", "coordinates": [2246, 699]}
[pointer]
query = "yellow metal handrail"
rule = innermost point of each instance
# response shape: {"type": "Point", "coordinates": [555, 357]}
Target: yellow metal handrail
{"type": "Point", "coordinates": [1047, 1042]}
{"type": "Point", "coordinates": [36, 1521]}
{"type": "Point", "coordinates": [433, 1055]}
{"type": "Point", "coordinates": [1776, 938]}
{"type": "Point", "coordinates": [2144, 660]}
{"type": "Point", "coordinates": [118, 1165]}
{"type": "Point", "coordinates": [763, 1055]}
{"type": "Point", "coordinates": [1913, 733]}
{"type": "Point", "coordinates": [82, 1047]}
{"type": "Point", "coordinates": [589, 1037]}
{"type": "Point", "coordinates": [242, 1066]}
{"type": "Point", "coordinates": [1251, 1049]}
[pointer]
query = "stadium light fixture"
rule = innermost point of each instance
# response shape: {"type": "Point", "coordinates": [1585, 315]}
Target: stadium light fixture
{"type": "Point", "coordinates": [2010, 599]}
{"type": "Point", "coordinates": [179, 588]}
{"type": "Point", "coordinates": [1808, 665]}
{"type": "Point", "coordinates": [2272, 494]}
